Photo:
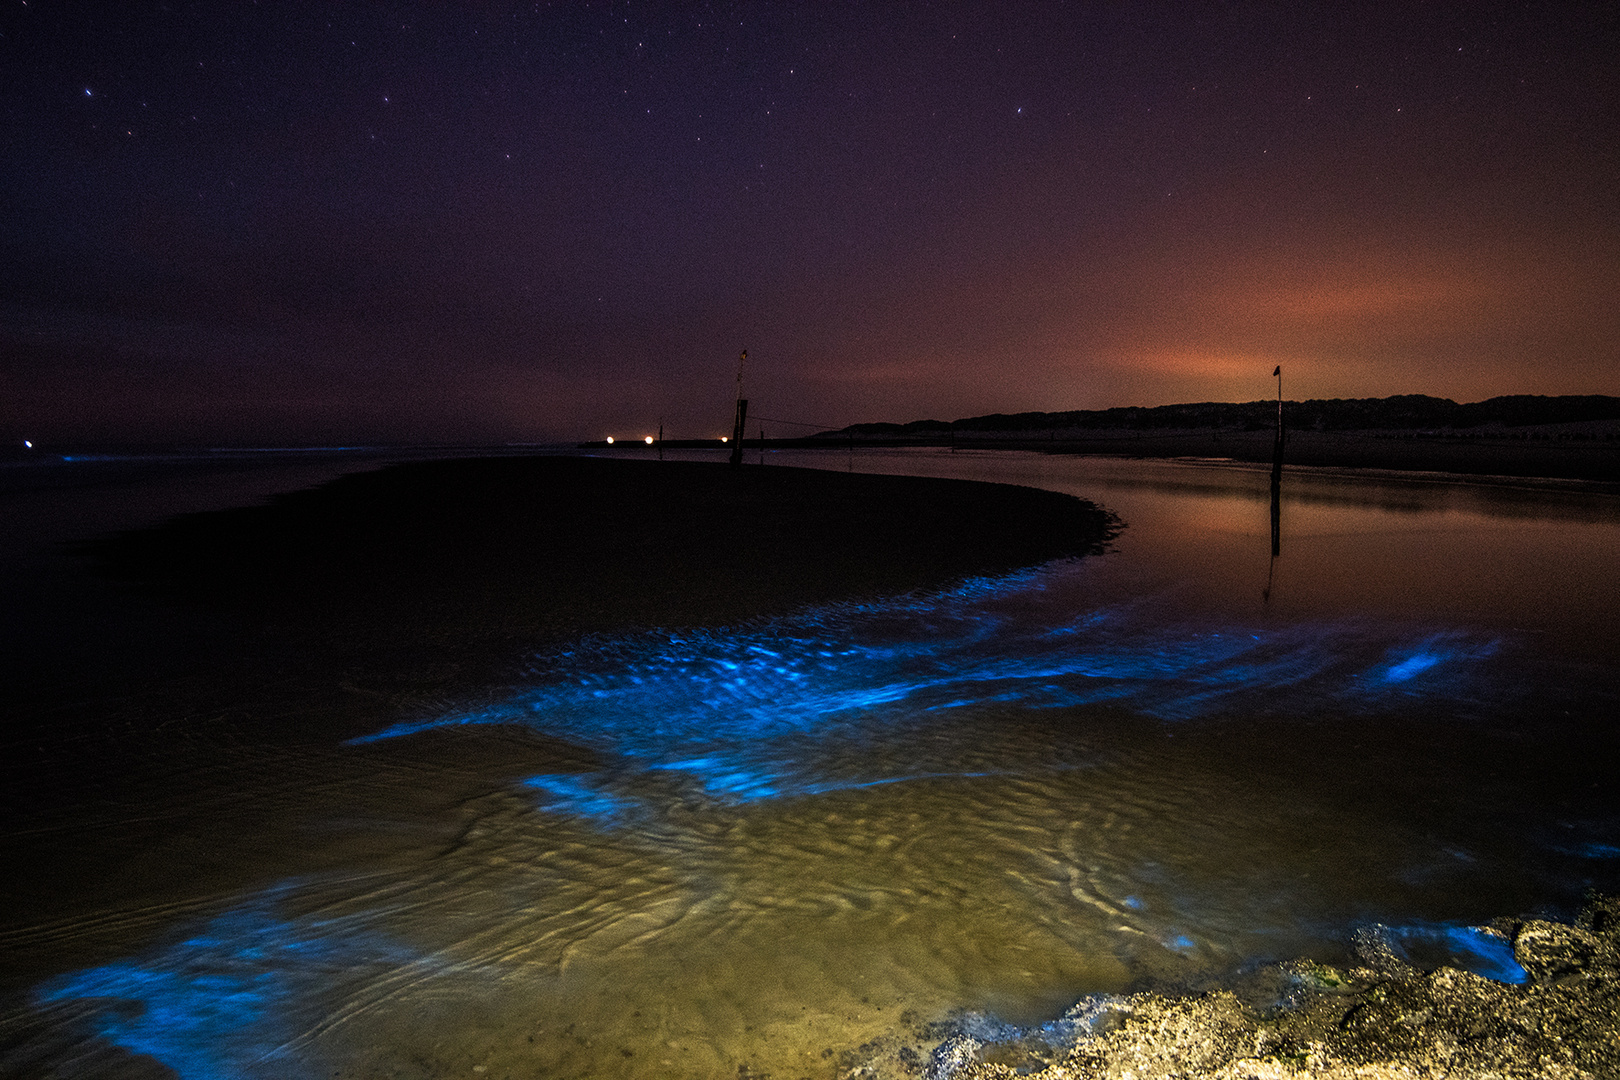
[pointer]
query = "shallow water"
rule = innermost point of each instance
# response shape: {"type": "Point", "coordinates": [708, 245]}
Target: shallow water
{"type": "Point", "coordinates": [789, 847]}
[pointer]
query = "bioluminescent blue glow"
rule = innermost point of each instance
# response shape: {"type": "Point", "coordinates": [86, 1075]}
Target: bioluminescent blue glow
{"type": "Point", "coordinates": [583, 796]}
{"type": "Point", "coordinates": [725, 776]}
{"type": "Point", "coordinates": [751, 712]}
{"type": "Point", "coordinates": [1594, 849]}
{"type": "Point", "coordinates": [234, 1000]}
{"type": "Point", "coordinates": [1412, 666]}
{"type": "Point", "coordinates": [721, 775]}
{"type": "Point", "coordinates": [611, 800]}
{"type": "Point", "coordinates": [973, 711]}
{"type": "Point", "coordinates": [1089, 1016]}
{"type": "Point", "coordinates": [1471, 948]}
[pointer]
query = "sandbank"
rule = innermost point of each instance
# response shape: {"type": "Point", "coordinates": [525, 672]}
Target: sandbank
{"type": "Point", "coordinates": [541, 549]}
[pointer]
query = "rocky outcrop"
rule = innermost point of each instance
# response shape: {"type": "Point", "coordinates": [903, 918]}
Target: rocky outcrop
{"type": "Point", "coordinates": [1380, 1019]}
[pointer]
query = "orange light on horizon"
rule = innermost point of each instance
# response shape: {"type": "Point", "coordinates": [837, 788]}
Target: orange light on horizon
{"type": "Point", "coordinates": [610, 440]}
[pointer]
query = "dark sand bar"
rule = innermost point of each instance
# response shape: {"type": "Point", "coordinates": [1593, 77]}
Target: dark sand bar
{"type": "Point", "coordinates": [542, 549]}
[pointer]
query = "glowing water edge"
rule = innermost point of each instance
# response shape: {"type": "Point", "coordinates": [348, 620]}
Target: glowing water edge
{"type": "Point", "coordinates": [806, 846]}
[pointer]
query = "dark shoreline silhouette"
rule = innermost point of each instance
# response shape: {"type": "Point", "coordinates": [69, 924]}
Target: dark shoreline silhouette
{"type": "Point", "coordinates": [1413, 412]}
{"type": "Point", "coordinates": [538, 549]}
{"type": "Point", "coordinates": [1575, 438]}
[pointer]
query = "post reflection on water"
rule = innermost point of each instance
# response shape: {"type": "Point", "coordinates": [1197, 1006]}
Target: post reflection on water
{"type": "Point", "coordinates": [1276, 530]}
{"type": "Point", "coordinates": [794, 845]}
{"type": "Point", "coordinates": [1276, 483]}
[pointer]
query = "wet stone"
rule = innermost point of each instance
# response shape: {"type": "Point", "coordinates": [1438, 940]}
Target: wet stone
{"type": "Point", "coordinates": [1376, 948]}
{"type": "Point", "coordinates": [1552, 952]}
{"type": "Point", "coordinates": [1382, 1021]}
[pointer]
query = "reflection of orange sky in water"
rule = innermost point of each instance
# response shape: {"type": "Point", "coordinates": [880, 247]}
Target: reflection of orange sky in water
{"type": "Point", "coordinates": [1220, 515]}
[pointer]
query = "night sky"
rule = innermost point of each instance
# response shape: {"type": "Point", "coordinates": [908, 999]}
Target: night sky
{"type": "Point", "coordinates": [292, 223]}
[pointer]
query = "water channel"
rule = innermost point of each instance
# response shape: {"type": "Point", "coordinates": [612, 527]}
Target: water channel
{"type": "Point", "coordinates": [811, 843]}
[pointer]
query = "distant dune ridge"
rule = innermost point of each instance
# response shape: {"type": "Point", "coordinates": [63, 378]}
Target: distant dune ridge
{"type": "Point", "coordinates": [1403, 411]}
{"type": "Point", "coordinates": [1570, 437]}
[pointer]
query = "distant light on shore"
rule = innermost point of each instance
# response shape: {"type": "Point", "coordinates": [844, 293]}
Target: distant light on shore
{"type": "Point", "coordinates": [649, 440]}
{"type": "Point", "coordinates": [610, 440]}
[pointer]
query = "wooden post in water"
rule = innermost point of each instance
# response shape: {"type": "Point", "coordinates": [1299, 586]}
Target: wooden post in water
{"type": "Point", "coordinates": [1276, 493]}
{"type": "Point", "coordinates": [660, 440]}
{"type": "Point", "coordinates": [739, 424]}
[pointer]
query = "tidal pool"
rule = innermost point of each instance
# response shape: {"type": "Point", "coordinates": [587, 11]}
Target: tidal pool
{"type": "Point", "coordinates": [809, 844]}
